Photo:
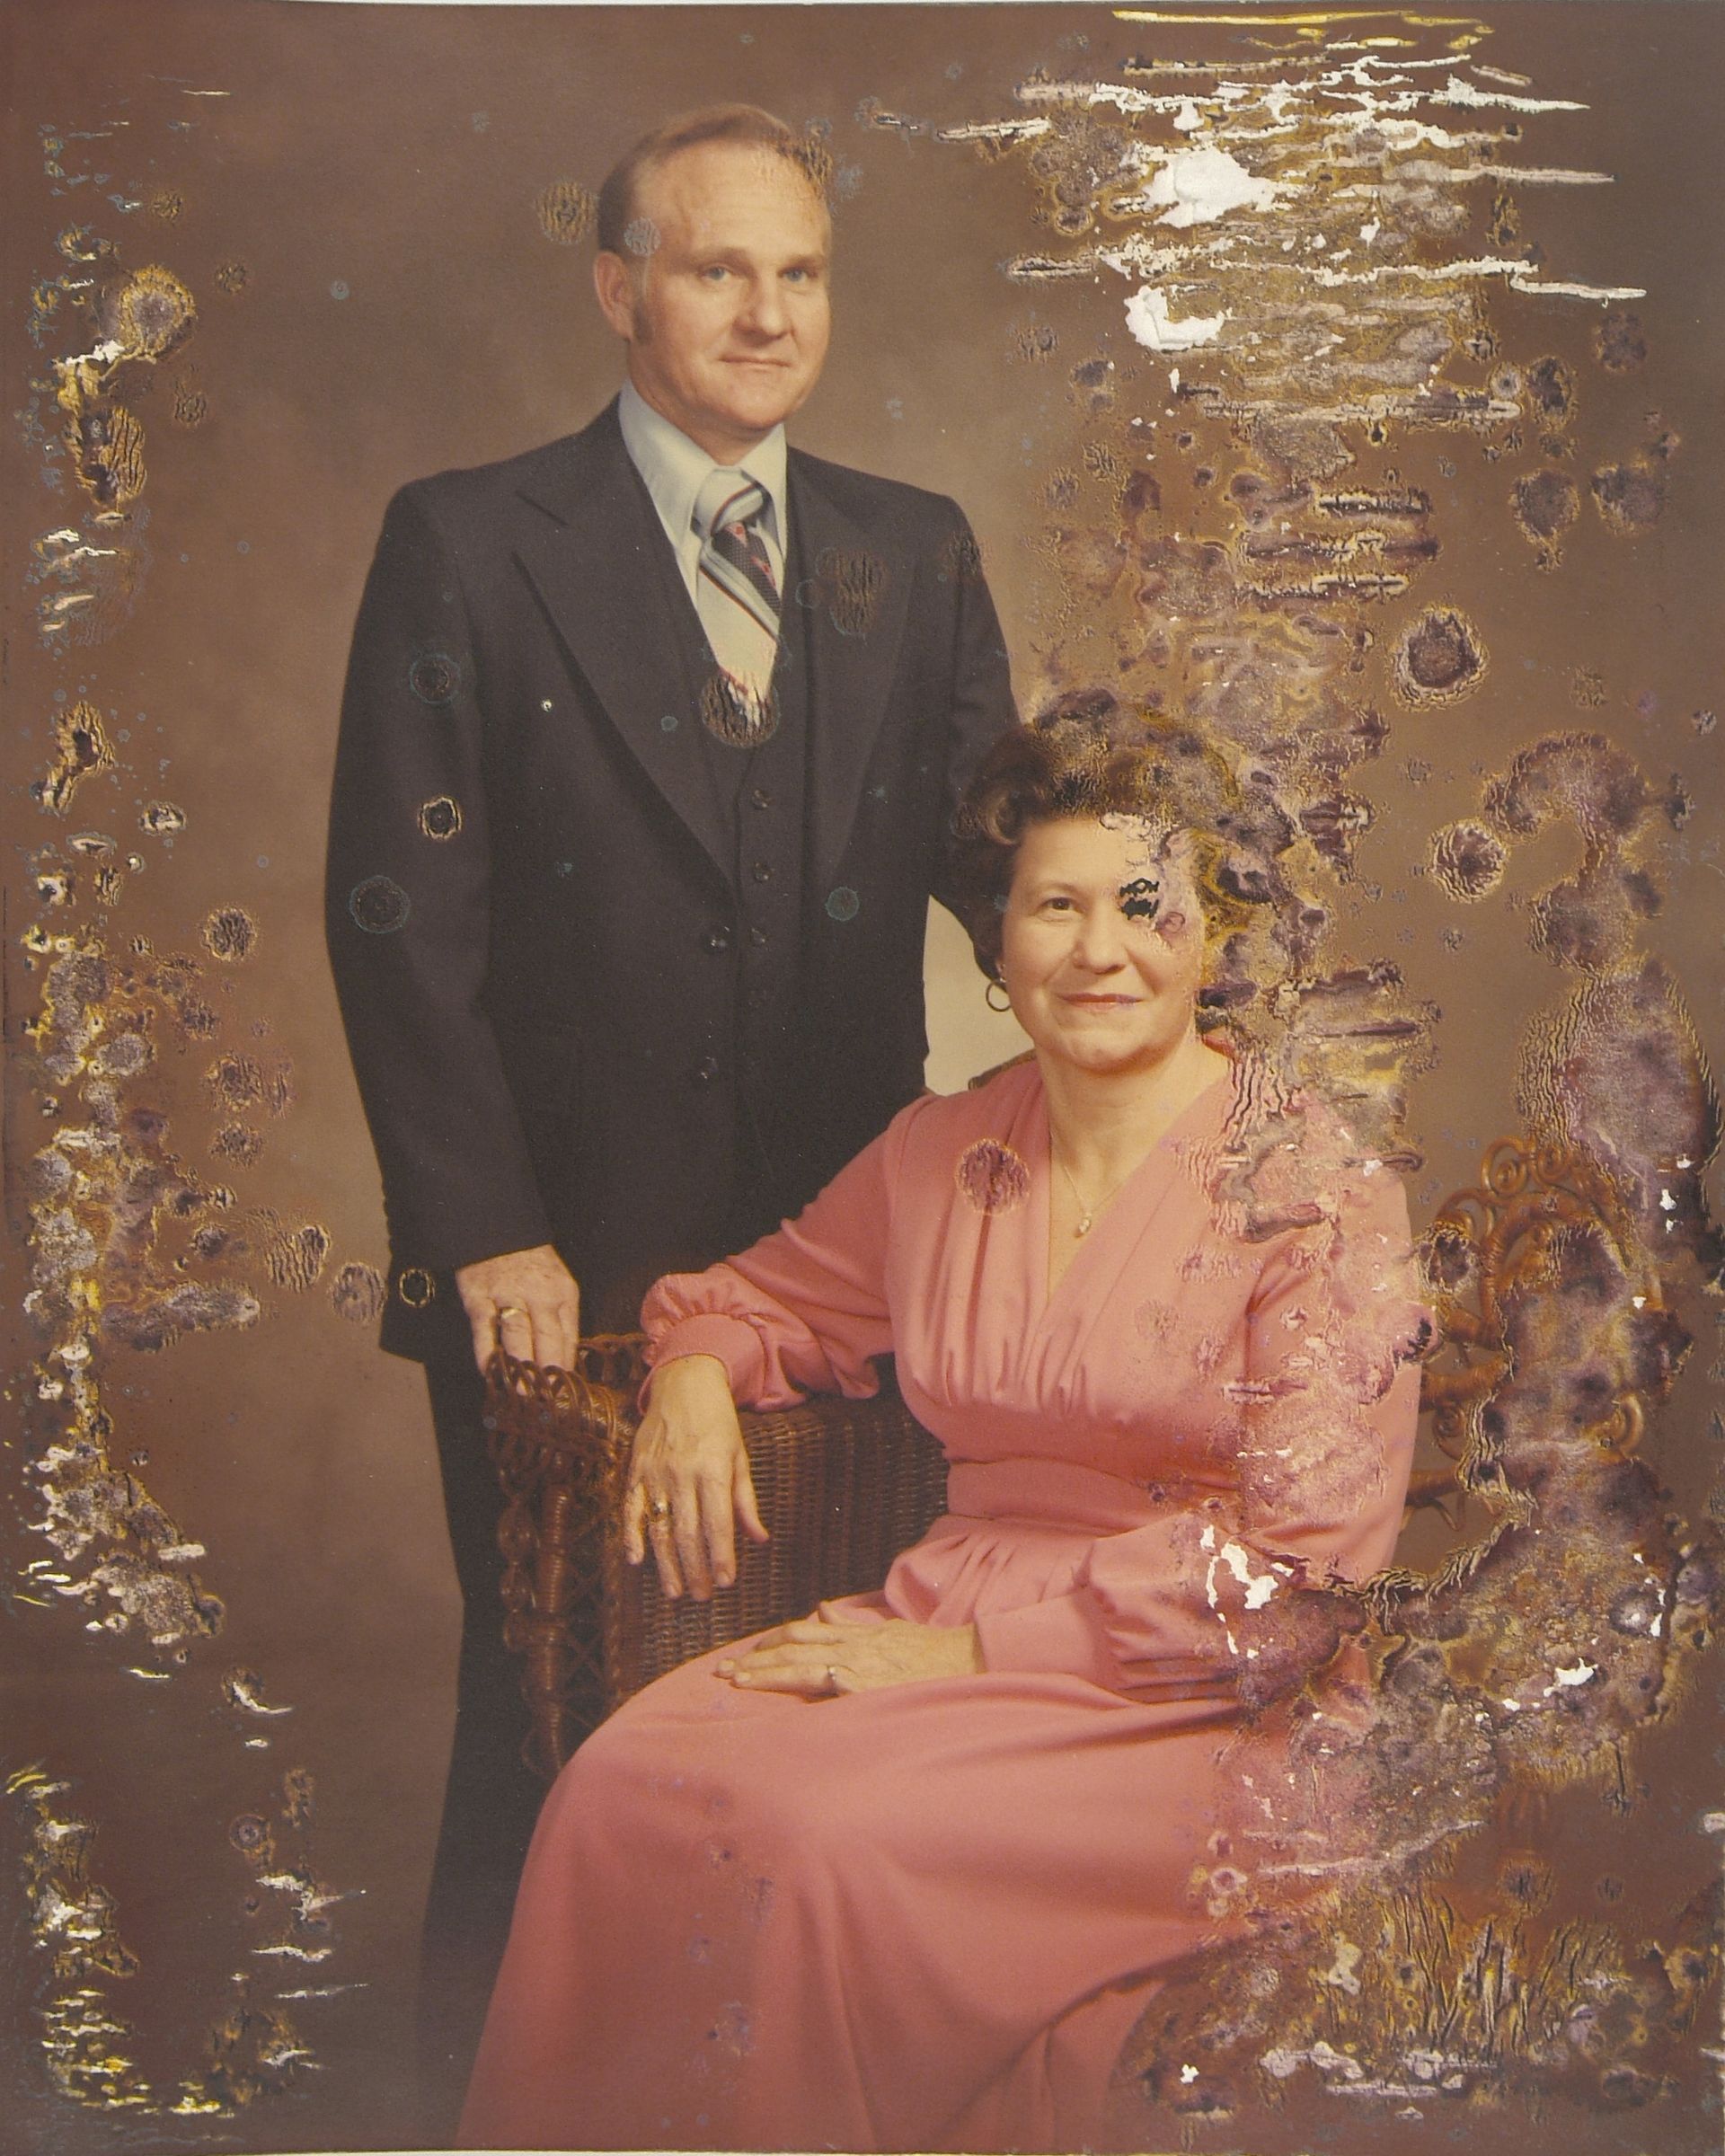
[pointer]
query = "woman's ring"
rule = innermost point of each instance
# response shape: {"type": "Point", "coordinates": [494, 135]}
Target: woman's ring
{"type": "Point", "coordinates": [510, 1310]}
{"type": "Point", "coordinates": [659, 1508]}
{"type": "Point", "coordinates": [832, 1678]}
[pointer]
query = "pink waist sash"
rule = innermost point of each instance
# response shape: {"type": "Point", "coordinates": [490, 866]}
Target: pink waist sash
{"type": "Point", "coordinates": [1061, 1496]}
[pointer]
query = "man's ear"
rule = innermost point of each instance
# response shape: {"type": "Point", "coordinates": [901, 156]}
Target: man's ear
{"type": "Point", "coordinates": [614, 280]}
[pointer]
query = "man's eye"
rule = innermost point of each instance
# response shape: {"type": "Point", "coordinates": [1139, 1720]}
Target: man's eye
{"type": "Point", "coordinates": [713, 271]}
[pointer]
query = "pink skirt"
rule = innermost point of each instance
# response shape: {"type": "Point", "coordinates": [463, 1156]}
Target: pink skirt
{"type": "Point", "coordinates": [924, 1917]}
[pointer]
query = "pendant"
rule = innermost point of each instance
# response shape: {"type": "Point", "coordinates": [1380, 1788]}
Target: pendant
{"type": "Point", "coordinates": [1083, 1226]}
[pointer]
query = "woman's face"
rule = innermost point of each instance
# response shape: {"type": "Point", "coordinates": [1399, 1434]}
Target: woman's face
{"type": "Point", "coordinates": [1102, 942]}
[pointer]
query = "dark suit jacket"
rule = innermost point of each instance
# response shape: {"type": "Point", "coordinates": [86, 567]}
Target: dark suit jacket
{"type": "Point", "coordinates": [531, 879]}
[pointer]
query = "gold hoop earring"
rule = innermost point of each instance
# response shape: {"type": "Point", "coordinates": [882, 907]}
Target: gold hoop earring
{"type": "Point", "coordinates": [994, 982]}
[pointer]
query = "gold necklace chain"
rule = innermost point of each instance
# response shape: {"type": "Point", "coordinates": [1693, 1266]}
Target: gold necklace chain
{"type": "Point", "coordinates": [1087, 1213]}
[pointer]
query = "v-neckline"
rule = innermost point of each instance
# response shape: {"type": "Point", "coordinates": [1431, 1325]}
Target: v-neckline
{"type": "Point", "coordinates": [1042, 1213]}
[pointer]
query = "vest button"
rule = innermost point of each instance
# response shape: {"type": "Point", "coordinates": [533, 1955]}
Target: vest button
{"type": "Point", "coordinates": [706, 1070]}
{"type": "Point", "coordinates": [718, 939]}
{"type": "Point", "coordinates": [762, 871]}
{"type": "Point", "coordinates": [759, 937]}
{"type": "Point", "coordinates": [760, 797]}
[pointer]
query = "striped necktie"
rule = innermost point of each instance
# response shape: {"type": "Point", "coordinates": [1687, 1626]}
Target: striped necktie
{"type": "Point", "coordinates": [735, 595]}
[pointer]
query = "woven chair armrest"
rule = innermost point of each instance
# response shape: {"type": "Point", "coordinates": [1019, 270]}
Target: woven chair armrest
{"type": "Point", "coordinates": [843, 1486]}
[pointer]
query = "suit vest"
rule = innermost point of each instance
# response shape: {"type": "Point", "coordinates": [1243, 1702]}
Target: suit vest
{"type": "Point", "coordinates": [762, 788]}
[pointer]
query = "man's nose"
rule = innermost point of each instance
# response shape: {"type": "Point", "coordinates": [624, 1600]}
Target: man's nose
{"type": "Point", "coordinates": [763, 309]}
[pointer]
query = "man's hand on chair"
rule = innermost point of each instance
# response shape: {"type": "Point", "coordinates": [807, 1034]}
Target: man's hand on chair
{"type": "Point", "coordinates": [526, 1301]}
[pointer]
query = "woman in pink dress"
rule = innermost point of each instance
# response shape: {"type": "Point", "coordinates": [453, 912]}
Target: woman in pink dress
{"type": "Point", "coordinates": [903, 1875]}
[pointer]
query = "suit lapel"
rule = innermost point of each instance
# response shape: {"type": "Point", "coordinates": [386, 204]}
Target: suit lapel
{"type": "Point", "coordinates": [601, 573]}
{"type": "Point", "coordinates": [857, 589]}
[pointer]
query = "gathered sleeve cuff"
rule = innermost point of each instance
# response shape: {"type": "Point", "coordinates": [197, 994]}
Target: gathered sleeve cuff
{"type": "Point", "coordinates": [1062, 1637]}
{"type": "Point", "coordinates": [731, 1339]}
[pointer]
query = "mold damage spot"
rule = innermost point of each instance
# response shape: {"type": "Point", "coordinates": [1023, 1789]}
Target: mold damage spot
{"type": "Point", "coordinates": [566, 210]}
{"type": "Point", "coordinates": [1439, 657]}
{"type": "Point", "coordinates": [81, 748]}
{"type": "Point", "coordinates": [992, 1176]}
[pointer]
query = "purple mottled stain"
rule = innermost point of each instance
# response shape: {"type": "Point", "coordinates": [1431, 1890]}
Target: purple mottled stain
{"type": "Point", "coordinates": [992, 1176]}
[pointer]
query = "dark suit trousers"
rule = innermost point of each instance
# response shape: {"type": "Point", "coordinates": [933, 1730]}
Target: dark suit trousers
{"type": "Point", "coordinates": [491, 1799]}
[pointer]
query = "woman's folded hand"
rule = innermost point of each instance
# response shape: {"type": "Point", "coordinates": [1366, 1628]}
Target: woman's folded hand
{"type": "Point", "coordinates": [689, 1479]}
{"type": "Point", "coordinates": [823, 1655]}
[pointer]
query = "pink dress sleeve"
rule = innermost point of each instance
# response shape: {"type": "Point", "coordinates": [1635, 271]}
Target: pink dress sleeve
{"type": "Point", "coordinates": [804, 1309]}
{"type": "Point", "coordinates": [1219, 1593]}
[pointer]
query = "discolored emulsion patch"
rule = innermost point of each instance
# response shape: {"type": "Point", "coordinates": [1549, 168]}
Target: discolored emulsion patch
{"type": "Point", "coordinates": [850, 585]}
{"type": "Point", "coordinates": [440, 818]}
{"type": "Point", "coordinates": [359, 1292]}
{"type": "Point", "coordinates": [1439, 657]}
{"type": "Point", "coordinates": [1618, 1073]}
{"type": "Point", "coordinates": [1468, 860]}
{"type": "Point", "coordinates": [140, 319]}
{"type": "Point", "coordinates": [231, 934]}
{"type": "Point", "coordinates": [434, 678]}
{"type": "Point", "coordinates": [1545, 504]}
{"type": "Point", "coordinates": [1410, 1988]}
{"type": "Point", "coordinates": [736, 715]}
{"type": "Point", "coordinates": [1619, 342]}
{"type": "Point", "coordinates": [74, 1925]}
{"type": "Point", "coordinates": [81, 750]}
{"type": "Point", "coordinates": [992, 1178]}
{"type": "Point", "coordinates": [295, 1254]}
{"type": "Point", "coordinates": [1589, 921]}
{"type": "Point", "coordinates": [565, 211]}
{"type": "Point", "coordinates": [1629, 495]}
{"type": "Point", "coordinates": [379, 906]}
{"type": "Point", "coordinates": [253, 2047]}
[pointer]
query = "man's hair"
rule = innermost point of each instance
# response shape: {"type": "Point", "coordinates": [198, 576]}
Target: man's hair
{"type": "Point", "coordinates": [620, 194]}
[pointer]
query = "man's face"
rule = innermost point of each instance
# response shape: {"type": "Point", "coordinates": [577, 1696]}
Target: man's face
{"type": "Point", "coordinates": [728, 317]}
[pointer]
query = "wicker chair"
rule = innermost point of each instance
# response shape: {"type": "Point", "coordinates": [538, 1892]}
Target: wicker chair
{"type": "Point", "coordinates": [844, 1484]}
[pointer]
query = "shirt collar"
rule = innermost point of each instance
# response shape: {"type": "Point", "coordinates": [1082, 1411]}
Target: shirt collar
{"type": "Point", "coordinates": [675, 468]}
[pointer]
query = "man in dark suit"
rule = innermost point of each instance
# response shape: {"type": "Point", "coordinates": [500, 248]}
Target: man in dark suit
{"type": "Point", "coordinates": [649, 746]}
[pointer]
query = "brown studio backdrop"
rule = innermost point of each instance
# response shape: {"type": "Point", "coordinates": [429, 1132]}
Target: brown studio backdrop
{"type": "Point", "coordinates": [376, 171]}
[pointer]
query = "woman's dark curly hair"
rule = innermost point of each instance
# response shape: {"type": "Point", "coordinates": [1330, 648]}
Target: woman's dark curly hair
{"type": "Point", "coordinates": [1090, 755]}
